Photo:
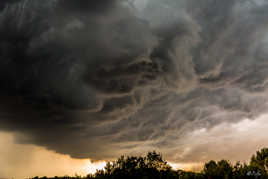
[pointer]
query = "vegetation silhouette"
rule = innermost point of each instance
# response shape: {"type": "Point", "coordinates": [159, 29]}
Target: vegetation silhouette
{"type": "Point", "coordinates": [153, 166]}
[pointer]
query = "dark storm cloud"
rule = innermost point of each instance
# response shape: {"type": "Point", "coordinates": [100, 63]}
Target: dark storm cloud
{"type": "Point", "coordinates": [98, 78]}
{"type": "Point", "coordinates": [4, 3]}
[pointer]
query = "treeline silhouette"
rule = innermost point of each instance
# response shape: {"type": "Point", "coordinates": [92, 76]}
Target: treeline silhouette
{"type": "Point", "coordinates": [153, 166]}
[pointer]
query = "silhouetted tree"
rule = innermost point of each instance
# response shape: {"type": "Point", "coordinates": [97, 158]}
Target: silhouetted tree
{"type": "Point", "coordinates": [221, 170]}
{"type": "Point", "coordinates": [260, 159]}
{"type": "Point", "coordinates": [150, 166]}
{"type": "Point", "coordinates": [153, 166]}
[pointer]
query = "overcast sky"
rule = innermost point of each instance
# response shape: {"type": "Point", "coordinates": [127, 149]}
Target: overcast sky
{"type": "Point", "coordinates": [100, 78]}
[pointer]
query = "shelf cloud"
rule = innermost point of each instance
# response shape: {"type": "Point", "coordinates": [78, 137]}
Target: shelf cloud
{"type": "Point", "coordinates": [99, 78]}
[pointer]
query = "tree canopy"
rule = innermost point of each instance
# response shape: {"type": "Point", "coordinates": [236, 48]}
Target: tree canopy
{"type": "Point", "coordinates": [153, 166]}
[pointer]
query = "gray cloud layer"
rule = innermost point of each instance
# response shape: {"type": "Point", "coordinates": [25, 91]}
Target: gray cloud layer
{"type": "Point", "coordinates": [98, 78]}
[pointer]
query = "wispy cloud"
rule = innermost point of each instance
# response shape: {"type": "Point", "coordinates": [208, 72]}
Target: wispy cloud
{"type": "Point", "coordinates": [101, 78]}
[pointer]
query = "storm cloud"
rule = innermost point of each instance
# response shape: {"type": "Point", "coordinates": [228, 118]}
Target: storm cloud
{"type": "Point", "coordinates": [100, 78]}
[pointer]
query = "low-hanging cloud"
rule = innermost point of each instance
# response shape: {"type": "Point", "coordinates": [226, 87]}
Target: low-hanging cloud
{"type": "Point", "coordinates": [98, 78]}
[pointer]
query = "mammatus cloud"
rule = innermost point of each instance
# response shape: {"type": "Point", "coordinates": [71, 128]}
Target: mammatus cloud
{"type": "Point", "coordinates": [101, 78]}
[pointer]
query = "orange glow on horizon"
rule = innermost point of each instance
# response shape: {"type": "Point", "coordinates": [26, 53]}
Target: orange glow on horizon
{"type": "Point", "coordinates": [91, 168]}
{"type": "Point", "coordinates": [30, 160]}
{"type": "Point", "coordinates": [195, 167]}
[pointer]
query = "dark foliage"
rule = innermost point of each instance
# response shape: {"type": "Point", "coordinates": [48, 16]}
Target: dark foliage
{"type": "Point", "coordinates": [153, 166]}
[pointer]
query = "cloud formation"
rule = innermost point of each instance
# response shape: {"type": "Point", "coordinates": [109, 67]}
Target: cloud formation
{"type": "Point", "coordinates": [101, 78]}
{"type": "Point", "coordinates": [39, 161]}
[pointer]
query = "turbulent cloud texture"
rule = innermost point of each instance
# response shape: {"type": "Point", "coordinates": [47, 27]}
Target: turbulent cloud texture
{"type": "Point", "coordinates": [100, 78]}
